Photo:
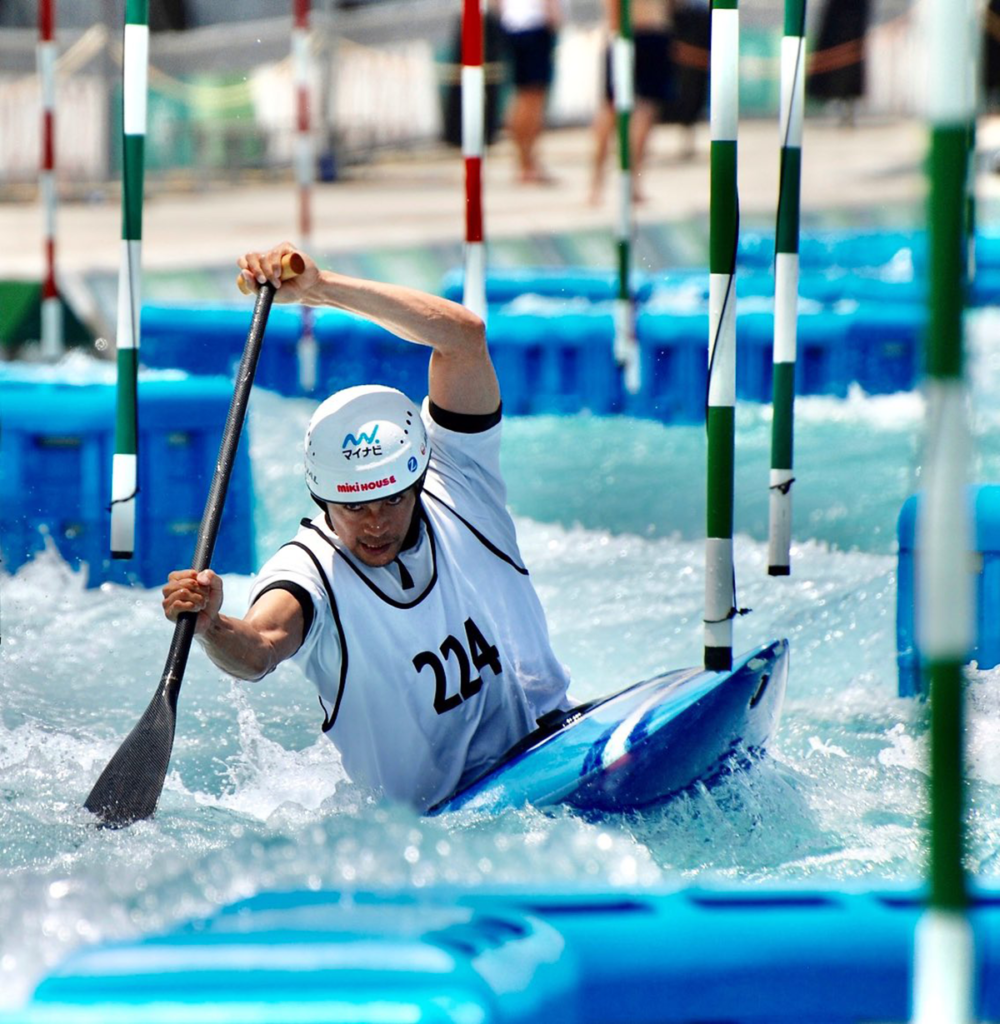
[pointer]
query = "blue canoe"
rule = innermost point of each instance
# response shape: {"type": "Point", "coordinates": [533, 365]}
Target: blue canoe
{"type": "Point", "coordinates": [643, 745]}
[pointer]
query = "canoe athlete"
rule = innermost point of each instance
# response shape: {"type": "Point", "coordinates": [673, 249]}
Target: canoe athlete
{"type": "Point", "coordinates": [405, 600]}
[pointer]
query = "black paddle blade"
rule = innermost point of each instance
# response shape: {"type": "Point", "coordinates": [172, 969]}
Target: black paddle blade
{"type": "Point", "coordinates": [130, 785]}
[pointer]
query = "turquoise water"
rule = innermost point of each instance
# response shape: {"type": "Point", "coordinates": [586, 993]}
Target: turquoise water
{"type": "Point", "coordinates": [610, 514]}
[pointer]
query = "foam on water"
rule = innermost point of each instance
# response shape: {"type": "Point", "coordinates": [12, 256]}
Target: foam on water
{"type": "Point", "coordinates": [610, 517]}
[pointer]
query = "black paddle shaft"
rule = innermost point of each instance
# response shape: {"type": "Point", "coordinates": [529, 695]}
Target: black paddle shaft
{"type": "Point", "coordinates": [130, 785]}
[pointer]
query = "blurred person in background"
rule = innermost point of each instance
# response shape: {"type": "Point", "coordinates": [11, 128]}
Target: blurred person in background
{"type": "Point", "coordinates": [530, 29]}
{"type": "Point", "coordinates": [836, 71]}
{"type": "Point", "coordinates": [692, 42]}
{"type": "Point", "coordinates": [652, 34]}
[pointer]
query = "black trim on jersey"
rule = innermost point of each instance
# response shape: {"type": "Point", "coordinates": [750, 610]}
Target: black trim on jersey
{"type": "Point", "coordinates": [406, 580]}
{"type": "Point", "coordinates": [301, 595]}
{"type": "Point", "coordinates": [464, 422]}
{"type": "Point", "coordinates": [484, 540]}
{"type": "Point", "coordinates": [329, 717]}
{"type": "Point", "coordinates": [373, 587]}
{"type": "Point", "coordinates": [413, 530]}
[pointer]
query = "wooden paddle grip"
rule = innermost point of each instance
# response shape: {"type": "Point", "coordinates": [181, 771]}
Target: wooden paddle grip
{"type": "Point", "coordinates": [292, 265]}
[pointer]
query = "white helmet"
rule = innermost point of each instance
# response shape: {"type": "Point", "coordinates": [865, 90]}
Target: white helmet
{"type": "Point", "coordinates": [365, 443]}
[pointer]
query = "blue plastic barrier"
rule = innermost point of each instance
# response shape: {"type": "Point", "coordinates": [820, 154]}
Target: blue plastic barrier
{"type": "Point", "coordinates": [985, 287]}
{"type": "Point", "coordinates": [987, 250]}
{"type": "Point", "coordinates": [823, 364]}
{"type": "Point", "coordinates": [825, 285]}
{"type": "Point", "coordinates": [504, 284]}
{"type": "Point", "coordinates": [556, 364]}
{"type": "Point", "coordinates": [835, 265]}
{"type": "Point", "coordinates": [55, 477]}
{"type": "Point", "coordinates": [209, 341]}
{"type": "Point", "coordinates": [743, 956]}
{"type": "Point", "coordinates": [836, 248]}
{"type": "Point", "coordinates": [552, 359]}
{"type": "Point", "coordinates": [673, 360]}
{"type": "Point", "coordinates": [353, 350]}
{"type": "Point", "coordinates": [876, 346]}
{"type": "Point", "coordinates": [984, 507]}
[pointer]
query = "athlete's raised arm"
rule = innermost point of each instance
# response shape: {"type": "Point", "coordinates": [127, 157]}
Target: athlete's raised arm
{"type": "Point", "coordinates": [461, 376]}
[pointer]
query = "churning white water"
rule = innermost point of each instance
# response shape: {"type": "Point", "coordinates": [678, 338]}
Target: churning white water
{"type": "Point", "coordinates": [610, 513]}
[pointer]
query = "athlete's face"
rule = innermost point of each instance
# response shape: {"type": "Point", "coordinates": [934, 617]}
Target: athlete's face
{"type": "Point", "coordinates": [374, 531]}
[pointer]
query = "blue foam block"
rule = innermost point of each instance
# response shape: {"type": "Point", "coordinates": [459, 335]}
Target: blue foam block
{"type": "Point", "coordinates": [55, 477]}
{"type": "Point", "coordinates": [674, 371]}
{"type": "Point", "coordinates": [554, 357]}
{"type": "Point", "coordinates": [556, 364]}
{"type": "Point", "coordinates": [209, 341]}
{"type": "Point", "coordinates": [504, 284]}
{"type": "Point", "coordinates": [984, 510]}
{"type": "Point", "coordinates": [522, 955]}
{"type": "Point", "coordinates": [886, 341]}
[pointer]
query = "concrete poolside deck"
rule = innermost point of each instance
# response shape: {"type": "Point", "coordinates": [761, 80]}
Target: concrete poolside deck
{"type": "Point", "coordinates": [401, 216]}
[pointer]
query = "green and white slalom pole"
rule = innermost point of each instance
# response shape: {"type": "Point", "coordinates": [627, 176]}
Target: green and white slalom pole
{"type": "Point", "coordinates": [944, 964]}
{"type": "Point", "coordinates": [124, 475]}
{"type": "Point", "coordinates": [970, 205]}
{"type": "Point", "coordinates": [626, 347]}
{"type": "Point", "coordinates": [786, 288]}
{"type": "Point", "coordinates": [721, 412]}
{"type": "Point", "coordinates": [981, 13]}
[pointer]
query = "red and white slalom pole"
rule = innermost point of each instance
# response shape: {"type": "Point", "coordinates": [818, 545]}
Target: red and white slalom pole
{"type": "Point", "coordinates": [304, 173]}
{"type": "Point", "coordinates": [473, 145]}
{"type": "Point", "coordinates": [52, 325]}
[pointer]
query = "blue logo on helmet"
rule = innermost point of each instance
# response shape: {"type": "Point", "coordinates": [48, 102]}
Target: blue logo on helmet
{"type": "Point", "coordinates": [362, 438]}
{"type": "Point", "coordinates": [411, 464]}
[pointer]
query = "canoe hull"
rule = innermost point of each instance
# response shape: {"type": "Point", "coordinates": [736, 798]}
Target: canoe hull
{"type": "Point", "coordinates": [643, 745]}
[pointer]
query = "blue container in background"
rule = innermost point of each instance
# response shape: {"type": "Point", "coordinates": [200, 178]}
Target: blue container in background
{"type": "Point", "coordinates": [984, 507]}
{"type": "Point", "coordinates": [985, 287]}
{"type": "Point", "coordinates": [516, 345]}
{"type": "Point", "coordinates": [754, 356]}
{"type": "Point", "coordinates": [505, 284]}
{"type": "Point", "coordinates": [846, 248]}
{"type": "Point", "coordinates": [756, 955]}
{"type": "Point", "coordinates": [353, 351]}
{"type": "Point", "coordinates": [885, 340]}
{"type": "Point", "coordinates": [55, 477]}
{"type": "Point", "coordinates": [209, 341]}
{"type": "Point", "coordinates": [987, 249]}
{"type": "Point", "coordinates": [556, 364]}
{"type": "Point", "coordinates": [823, 363]}
{"type": "Point", "coordinates": [556, 357]}
{"type": "Point", "coordinates": [673, 367]}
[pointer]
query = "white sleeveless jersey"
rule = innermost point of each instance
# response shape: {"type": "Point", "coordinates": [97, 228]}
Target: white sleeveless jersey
{"type": "Point", "coordinates": [424, 686]}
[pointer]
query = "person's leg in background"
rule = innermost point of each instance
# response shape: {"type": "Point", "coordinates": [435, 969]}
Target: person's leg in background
{"type": "Point", "coordinates": [532, 65]}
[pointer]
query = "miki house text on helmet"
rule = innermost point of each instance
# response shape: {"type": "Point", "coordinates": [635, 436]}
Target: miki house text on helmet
{"type": "Point", "coordinates": [365, 443]}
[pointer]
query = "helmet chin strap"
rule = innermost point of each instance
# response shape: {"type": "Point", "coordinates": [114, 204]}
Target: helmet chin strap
{"type": "Point", "coordinates": [413, 533]}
